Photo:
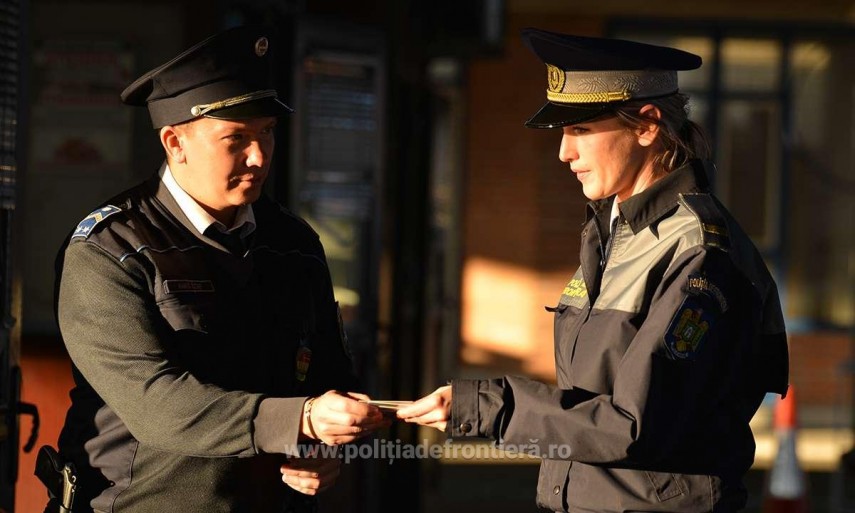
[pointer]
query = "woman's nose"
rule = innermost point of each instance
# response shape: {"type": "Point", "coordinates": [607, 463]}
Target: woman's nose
{"type": "Point", "coordinates": [567, 152]}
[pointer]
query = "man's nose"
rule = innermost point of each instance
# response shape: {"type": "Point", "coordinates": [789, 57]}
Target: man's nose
{"type": "Point", "coordinates": [256, 154]}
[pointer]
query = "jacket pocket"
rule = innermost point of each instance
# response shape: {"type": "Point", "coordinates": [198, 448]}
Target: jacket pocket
{"type": "Point", "coordinates": [665, 485]}
{"type": "Point", "coordinates": [597, 488]}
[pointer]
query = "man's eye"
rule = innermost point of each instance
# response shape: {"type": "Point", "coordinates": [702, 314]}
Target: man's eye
{"type": "Point", "coordinates": [234, 137]}
{"type": "Point", "coordinates": [578, 130]}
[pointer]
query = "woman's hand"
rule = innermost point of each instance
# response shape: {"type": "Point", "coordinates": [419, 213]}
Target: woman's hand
{"type": "Point", "coordinates": [433, 410]}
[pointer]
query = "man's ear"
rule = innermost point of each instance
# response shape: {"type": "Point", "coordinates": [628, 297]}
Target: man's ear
{"type": "Point", "coordinates": [171, 139]}
{"type": "Point", "coordinates": [648, 132]}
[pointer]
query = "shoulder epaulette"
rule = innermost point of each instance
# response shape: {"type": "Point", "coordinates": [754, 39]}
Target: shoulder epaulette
{"type": "Point", "coordinates": [710, 218]}
{"type": "Point", "coordinates": [300, 220]}
{"type": "Point", "coordinates": [89, 222]}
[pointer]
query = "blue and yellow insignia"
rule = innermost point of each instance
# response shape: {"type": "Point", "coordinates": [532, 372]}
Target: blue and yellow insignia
{"type": "Point", "coordinates": [88, 224]}
{"type": "Point", "coordinates": [687, 330]}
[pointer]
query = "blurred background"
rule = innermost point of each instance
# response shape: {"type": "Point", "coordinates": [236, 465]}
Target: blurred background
{"type": "Point", "coordinates": [448, 226]}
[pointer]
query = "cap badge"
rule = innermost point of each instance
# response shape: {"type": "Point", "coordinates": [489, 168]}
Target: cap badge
{"type": "Point", "coordinates": [261, 46]}
{"type": "Point", "coordinates": [555, 78]}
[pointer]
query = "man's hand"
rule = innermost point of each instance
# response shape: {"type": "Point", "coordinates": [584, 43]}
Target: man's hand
{"type": "Point", "coordinates": [312, 474]}
{"type": "Point", "coordinates": [339, 418]}
{"type": "Point", "coordinates": [433, 410]}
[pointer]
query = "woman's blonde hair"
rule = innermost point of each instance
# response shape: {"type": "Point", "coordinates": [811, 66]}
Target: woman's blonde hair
{"type": "Point", "coordinates": [681, 139]}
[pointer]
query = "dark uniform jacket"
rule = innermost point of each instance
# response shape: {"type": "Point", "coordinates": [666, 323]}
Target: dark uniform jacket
{"type": "Point", "coordinates": [666, 341]}
{"type": "Point", "coordinates": [185, 355]}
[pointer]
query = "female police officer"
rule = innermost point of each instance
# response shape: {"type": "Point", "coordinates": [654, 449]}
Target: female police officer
{"type": "Point", "coordinates": [669, 334]}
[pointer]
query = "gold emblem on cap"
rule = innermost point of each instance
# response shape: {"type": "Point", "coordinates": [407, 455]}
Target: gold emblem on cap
{"type": "Point", "coordinates": [202, 109]}
{"type": "Point", "coordinates": [261, 46]}
{"type": "Point", "coordinates": [555, 78]}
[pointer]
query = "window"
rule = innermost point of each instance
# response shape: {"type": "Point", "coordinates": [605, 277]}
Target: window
{"type": "Point", "coordinates": [778, 104]}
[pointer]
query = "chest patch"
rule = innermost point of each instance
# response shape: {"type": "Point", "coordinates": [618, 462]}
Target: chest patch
{"type": "Point", "coordinates": [304, 359]}
{"type": "Point", "coordinates": [687, 330]}
{"type": "Point", "coordinates": [575, 293]}
{"type": "Point", "coordinates": [88, 224]}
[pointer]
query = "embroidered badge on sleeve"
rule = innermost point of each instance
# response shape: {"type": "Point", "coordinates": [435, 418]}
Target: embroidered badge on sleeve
{"type": "Point", "coordinates": [700, 285]}
{"type": "Point", "coordinates": [688, 329]}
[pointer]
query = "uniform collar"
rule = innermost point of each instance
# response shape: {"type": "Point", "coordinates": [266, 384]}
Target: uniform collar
{"type": "Point", "coordinates": [643, 209]}
{"type": "Point", "coordinates": [200, 219]}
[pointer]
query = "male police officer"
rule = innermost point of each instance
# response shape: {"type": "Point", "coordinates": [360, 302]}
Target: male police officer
{"type": "Point", "coordinates": [199, 315]}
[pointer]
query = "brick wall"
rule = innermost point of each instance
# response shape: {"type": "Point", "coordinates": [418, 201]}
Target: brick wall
{"type": "Point", "coordinates": [818, 370]}
{"type": "Point", "coordinates": [523, 208]}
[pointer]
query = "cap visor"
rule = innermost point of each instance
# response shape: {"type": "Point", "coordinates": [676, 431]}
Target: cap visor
{"type": "Point", "coordinates": [262, 108]}
{"type": "Point", "coordinates": [554, 115]}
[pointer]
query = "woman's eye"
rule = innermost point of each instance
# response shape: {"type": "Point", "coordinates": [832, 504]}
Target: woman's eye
{"type": "Point", "coordinates": [578, 130]}
{"type": "Point", "coordinates": [234, 137]}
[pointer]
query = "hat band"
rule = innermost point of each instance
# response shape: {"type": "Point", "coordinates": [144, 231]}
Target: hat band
{"type": "Point", "coordinates": [202, 109]}
{"type": "Point", "coordinates": [614, 96]}
{"type": "Point", "coordinates": [601, 86]}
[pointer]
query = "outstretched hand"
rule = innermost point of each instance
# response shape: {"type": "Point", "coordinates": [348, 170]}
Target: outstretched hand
{"type": "Point", "coordinates": [338, 418]}
{"type": "Point", "coordinates": [433, 410]}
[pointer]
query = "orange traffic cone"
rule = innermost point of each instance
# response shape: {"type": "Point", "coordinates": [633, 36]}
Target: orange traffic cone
{"type": "Point", "coordinates": [786, 486]}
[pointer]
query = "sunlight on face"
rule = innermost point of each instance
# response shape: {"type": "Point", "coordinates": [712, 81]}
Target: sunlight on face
{"type": "Point", "coordinates": [226, 162]}
{"type": "Point", "coordinates": [606, 157]}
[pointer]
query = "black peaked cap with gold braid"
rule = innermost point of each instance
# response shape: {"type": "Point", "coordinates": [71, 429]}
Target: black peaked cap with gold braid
{"type": "Point", "coordinates": [587, 76]}
{"type": "Point", "coordinates": [227, 76]}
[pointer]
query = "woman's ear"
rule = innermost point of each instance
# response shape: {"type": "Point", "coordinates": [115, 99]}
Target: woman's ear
{"type": "Point", "coordinates": [170, 138]}
{"type": "Point", "coordinates": [647, 132]}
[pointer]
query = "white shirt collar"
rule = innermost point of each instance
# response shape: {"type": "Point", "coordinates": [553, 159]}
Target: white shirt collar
{"type": "Point", "coordinates": [615, 212]}
{"type": "Point", "coordinates": [202, 220]}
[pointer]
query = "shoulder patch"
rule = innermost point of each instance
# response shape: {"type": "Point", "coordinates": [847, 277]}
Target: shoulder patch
{"type": "Point", "coordinates": [687, 330]}
{"type": "Point", "coordinates": [712, 222]}
{"type": "Point", "coordinates": [88, 224]}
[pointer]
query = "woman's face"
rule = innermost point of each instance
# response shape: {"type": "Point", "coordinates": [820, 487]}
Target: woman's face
{"type": "Point", "coordinates": [607, 157]}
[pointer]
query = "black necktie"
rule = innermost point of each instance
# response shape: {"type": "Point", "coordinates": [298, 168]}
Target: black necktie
{"type": "Point", "coordinates": [230, 240]}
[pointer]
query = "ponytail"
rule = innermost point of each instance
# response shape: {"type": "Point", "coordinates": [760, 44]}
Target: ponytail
{"type": "Point", "coordinates": [681, 139]}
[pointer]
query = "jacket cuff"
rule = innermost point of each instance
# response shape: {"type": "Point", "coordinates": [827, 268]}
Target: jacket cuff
{"type": "Point", "coordinates": [276, 426]}
{"type": "Point", "coordinates": [476, 408]}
